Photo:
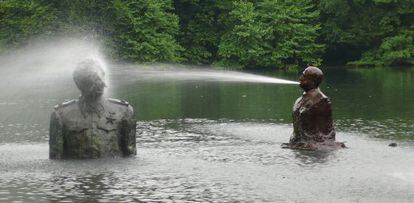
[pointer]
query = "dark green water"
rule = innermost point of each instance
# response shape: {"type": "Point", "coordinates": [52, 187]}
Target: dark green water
{"type": "Point", "coordinates": [376, 101]}
{"type": "Point", "coordinates": [215, 141]}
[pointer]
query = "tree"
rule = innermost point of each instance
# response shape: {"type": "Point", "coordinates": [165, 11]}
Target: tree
{"type": "Point", "coordinates": [198, 30]}
{"type": "Point", "coordinates": [133, 30]}
{"type": "Point", "coordinates": [244, 43]}
{"type": "Point", "coordinates": [145, 31]}
{"type": "Point", "coordinates": [396, 50]}
{"type": "Point", "coordinates": [355, 30]}
{"type": "Point", "coordinates": [271, 33]}
{"type": "Point", "coordinates": [21, 20]}
{"type": "Point", "coordinates": [237, 33]}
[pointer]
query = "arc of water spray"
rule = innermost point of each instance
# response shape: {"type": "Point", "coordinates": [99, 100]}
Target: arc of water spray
{"type": "Point", "coordinates": [204, 75]}
{"type": "Point", "coordinates": [247, 77]}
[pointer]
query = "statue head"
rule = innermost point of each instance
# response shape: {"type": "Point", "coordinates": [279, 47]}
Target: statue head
{"type": "Point", "coordinates": [89, 77]}
{"type": "Point", "coordinates": [311, 78]}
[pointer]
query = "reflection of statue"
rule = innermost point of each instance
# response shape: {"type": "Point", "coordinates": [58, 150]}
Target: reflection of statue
{"type": "Point", "coordinates": [91, 127]}
{"type": "Point", "coordinates": [312, 116]}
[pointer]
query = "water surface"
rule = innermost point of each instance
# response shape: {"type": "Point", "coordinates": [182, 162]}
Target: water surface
{"type": "Point", "coordinates": [217, 141]}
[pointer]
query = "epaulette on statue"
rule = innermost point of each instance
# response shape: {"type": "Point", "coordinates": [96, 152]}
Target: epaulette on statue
{"type": "Point", "coordinates": [117, 101]}
{"type": "Point", "coordinates": [65, 104]}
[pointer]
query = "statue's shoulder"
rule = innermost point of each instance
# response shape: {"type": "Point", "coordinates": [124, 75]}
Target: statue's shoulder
{"type": "Point", "coordinates": [118, 101]}
{"type": "Point", "coordinates": [324, 98]}
{"type": "Point", "coordinates": [122, 103]}
{"type": "Point", "coordinates": [323, 102]}
{"type": "Point", "coordinates": [317, 96]}
{"type": "Point", "coordinates": [65, 105]}
{"type": "Point", "coordinates": [61, 110]}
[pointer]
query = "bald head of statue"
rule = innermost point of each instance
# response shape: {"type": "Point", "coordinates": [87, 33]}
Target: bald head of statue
{"type": "Point", "coordinates": [89, 77]}
{"type": "Point", "coordinates": [311, 78]}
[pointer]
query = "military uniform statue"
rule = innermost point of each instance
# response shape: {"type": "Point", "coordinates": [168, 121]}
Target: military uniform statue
{"type": "Point", "coordinates": [93, 126]}
{"type": "Point", "coordinates": [313, 127]}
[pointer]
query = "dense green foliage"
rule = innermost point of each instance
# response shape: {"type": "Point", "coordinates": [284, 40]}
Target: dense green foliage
{"type": "Point", "coordinates": [232, 33]}
{"type": "Point", "coordinates": [367, 32]}
{"type": "Point", "coordinates": [21, 20]}
{"type": "Point", "coordinates": [145, 31]}
{"type": "Point", "coordinates": [201, 29]}
{"type": "Point", "coordinates": [271, 34]}
{"type": "Point", "coordinates": [133, 30]}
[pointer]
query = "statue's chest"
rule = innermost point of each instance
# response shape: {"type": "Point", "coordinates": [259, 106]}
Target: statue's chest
{"type": "Point", "coordinates": [92, 135]}
{"type": "Point", "coordinates": [301, 106]}
{"type": "Point", "coordinates": [107, 121]}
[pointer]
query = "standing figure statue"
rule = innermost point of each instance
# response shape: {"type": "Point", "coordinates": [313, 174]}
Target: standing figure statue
{"type": "Point", "coordinates": [93, 126]}
{"type": "Point", "coordinates": [313, 127]}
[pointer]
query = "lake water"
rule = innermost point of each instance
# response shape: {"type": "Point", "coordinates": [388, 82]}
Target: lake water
{"type": "Point", "coordinates": [215, 141]}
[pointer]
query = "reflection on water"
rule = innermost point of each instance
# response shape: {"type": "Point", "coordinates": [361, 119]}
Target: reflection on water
{"type": "Point", "coordinates": [218, 141]}
{"type": "Point", "coordinates": [208, 160]}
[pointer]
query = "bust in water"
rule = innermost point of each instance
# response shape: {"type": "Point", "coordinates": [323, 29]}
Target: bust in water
{"type": "Point", "coordinates": [312, 116]}
{"type": "Point", "coordinates": [92, 126]}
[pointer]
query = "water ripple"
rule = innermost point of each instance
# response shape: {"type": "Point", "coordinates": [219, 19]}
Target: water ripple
{"type": "Point", "coordinates": [200, 160]}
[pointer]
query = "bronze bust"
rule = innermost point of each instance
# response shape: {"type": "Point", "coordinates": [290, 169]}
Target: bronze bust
{"type": "Point", "coordinates": [92, 126]}
{"type": "Point", "coordinates": [313, 127]}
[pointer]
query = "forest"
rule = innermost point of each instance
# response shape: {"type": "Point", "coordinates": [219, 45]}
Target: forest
{"type": "Point", "coordinates": [235, 34]}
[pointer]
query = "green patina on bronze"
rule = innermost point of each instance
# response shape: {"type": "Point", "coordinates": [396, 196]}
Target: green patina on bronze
{"type": "Point", "coordinates": [93, 126]}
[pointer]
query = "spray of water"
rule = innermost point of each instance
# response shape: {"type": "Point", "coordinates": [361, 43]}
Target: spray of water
{"type": "Point", "coordinates": [199, 74]}
{"type": "Point", "coordinates": [35, 78]}
{"type": "Point", "coordinates": [55, 57]}
{"type": "Point", "coordinates": [51, 64]}
{"type": "Point", "coordinates": [44, 64]}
